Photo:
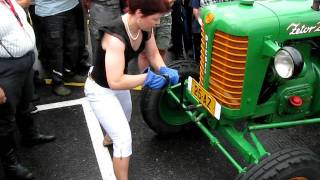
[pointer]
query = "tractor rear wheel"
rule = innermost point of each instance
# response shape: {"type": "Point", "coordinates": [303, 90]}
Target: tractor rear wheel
{"type": "Point", "coordinates": [158, 108]}
{"type": "Point", "coordinates": [287, 164]}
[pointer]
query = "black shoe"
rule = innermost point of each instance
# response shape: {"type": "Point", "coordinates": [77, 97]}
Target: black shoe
{"type": "Point", "coordinates": [76, 78]}
{"type": "Point", "coordinates": [61, 90]}
{"type": "Point", "coordinates": [34, 110]}
{"type": "Point", "coordinates": [38, 139]}
{"type": "Point", "coordinates": [18, 172]}
{"type": "Point", "coordinates": [13, 169]}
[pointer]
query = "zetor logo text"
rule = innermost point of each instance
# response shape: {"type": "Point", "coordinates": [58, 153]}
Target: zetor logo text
{"type": "Point", "coordinates": [297, 28]}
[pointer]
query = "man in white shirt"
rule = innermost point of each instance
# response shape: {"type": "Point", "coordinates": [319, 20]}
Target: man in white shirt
{"type": "Point", "coordinates": [17, 42]}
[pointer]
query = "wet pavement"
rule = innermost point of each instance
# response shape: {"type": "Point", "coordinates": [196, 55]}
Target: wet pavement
{"type": "Point", "coordinates": [185, 157]}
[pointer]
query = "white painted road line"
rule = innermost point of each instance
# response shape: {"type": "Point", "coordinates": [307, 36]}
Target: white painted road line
{"type": "Point", "coordinates": [60, 104]}
{"type": "Point", "coordinates": [102, 153]}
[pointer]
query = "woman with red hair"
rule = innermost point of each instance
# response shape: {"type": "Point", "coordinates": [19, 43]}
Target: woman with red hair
{"type": "Point", "coordinates": [108, 85]}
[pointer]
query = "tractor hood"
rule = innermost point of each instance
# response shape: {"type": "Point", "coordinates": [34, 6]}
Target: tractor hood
{"type": "Point", "coordinates": [296, 18]}
{"type": "Point", "coordinates": [276, 19]}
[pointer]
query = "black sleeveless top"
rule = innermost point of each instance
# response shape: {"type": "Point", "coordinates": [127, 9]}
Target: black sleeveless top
{"type": "Point", "coordinates": [117, 29]}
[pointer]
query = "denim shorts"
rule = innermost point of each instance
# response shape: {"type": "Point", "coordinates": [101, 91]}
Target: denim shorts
{"type": "Point", "coordinates": [163, 32]}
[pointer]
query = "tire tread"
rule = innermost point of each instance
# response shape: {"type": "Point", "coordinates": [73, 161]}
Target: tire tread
{"type": "Point", "coordinates": [278, 162]}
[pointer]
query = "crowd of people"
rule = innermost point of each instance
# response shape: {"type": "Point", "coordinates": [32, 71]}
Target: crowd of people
{"type": "Point", "coordinates": [120, 31]}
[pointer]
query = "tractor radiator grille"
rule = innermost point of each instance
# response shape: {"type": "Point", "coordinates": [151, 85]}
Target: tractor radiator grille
{"type": "Point", "coordinates": [227, 68]}
{"type": "Point", "coordinates": [202, 57]}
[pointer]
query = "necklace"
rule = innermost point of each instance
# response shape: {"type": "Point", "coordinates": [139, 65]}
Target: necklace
{"type": "Point", "coordinates": [129, 32]}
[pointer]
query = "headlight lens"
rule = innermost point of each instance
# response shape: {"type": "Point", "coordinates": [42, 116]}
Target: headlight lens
{"type": "Point", "coordinates": [284, 64]}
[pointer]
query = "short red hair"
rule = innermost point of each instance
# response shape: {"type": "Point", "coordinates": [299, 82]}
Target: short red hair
{"type": "Point", "coordinates": [149, 7]}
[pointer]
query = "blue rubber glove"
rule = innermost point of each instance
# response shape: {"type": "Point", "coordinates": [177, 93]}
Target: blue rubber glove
{"type": "Point", "coordinates": [154, 81]}
{"type": "Point", "coordinates": [172, 73]}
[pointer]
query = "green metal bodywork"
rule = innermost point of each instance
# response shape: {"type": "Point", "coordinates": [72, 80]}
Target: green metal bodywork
{"type": "Point", "coordinates": [269, 25]}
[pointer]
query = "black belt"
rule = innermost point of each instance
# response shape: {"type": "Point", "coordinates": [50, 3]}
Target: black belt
{"type": "Point", "coordinates": [17, 58]}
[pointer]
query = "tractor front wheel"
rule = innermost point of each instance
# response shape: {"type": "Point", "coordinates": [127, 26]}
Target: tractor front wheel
{"type": "Point", "coordinates": [287, 164]}
{"type": "Point", "coordinates": [160, 111]}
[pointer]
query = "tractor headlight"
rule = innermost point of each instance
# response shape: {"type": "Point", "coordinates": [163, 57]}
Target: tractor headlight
{"type": "Point", "coordinates": [288, 62]}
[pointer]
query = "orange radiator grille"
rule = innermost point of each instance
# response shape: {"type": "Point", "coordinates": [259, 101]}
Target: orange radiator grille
{"type": "Point", "coordinates": [202, 57]}
{"type": "Point", "coordinates": [227, 67]}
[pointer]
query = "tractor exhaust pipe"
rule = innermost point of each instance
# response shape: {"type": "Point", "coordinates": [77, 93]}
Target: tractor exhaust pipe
{"type": "Point", "coordinates": [315, 5]}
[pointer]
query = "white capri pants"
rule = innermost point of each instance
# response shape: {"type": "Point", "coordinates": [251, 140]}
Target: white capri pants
{"type": "Point", "coordinates": [113, 110]}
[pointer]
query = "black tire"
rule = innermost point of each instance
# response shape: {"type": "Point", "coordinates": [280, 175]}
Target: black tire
{"type": "Point", "coordinates": [151, 100]}
{"type": "Point", "coordinates": [287, 164]}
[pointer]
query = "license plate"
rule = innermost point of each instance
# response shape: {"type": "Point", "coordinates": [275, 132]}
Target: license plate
{"type": "Point", "coordinates": [204, 97]}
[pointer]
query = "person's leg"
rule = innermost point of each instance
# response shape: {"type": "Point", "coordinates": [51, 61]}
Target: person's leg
{"type": "Point", "coordinates": [13, 169]}
{"type": "Point", "coordinates": [94, 35]}
{"type": "Point", "coordinates": [70, 42]}
{"type": "Point", "coordinates": [40, 42]}
{"type": "Point", "coordinates": [122, 164]}
{"type": "Point", "coordinates": [83, 62]}
{"type": "Point", "coordinates": [177, 30]}
{"type": "Point", "coordinates": [106, 140]}
{"type": "Point", "coordinates": [188, 29]}
{"type": "Point", "coordinates": [121, 167]}
{"type": "Point", "coordinates": [126, 104]}
{"type": "Point", "coordinates": [186, 33]}
{"type": "Point", "coordinates": [163, 35]}
{"type": "Point", "coordinates": [53, 27]}
{"type": "Point", "coordinates": [94, 31]}
{"type": "Point", "coordinates": [11, 81]}
{"type": "Point", "coordinates": [23, 117]}
{"type": "Point", "coordinates": [124, 98]}
{"type": "Point", "coordinates": [71, 50]}
{"type": "Point", "coordinates": [25, 122]}
{"type": "Point", "coordinates": [113, 118]}
{"type": "Point", "coordinates": [13, 76]}
{"type": "Point", "coordinates": [94, 42]}
{"type": "Point", "coordinates": [197, 46]}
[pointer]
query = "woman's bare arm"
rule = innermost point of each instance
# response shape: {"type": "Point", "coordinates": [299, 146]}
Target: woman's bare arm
{"type": "Point", "coordinates": [115, 64]}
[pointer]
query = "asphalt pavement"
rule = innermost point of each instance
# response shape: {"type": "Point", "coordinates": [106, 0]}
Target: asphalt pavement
{"type": "Point", "coordinates": [185, 157]}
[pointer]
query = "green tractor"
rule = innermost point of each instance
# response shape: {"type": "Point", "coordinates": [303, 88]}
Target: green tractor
{"type": "Point", "coordinates": [259, 69]}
